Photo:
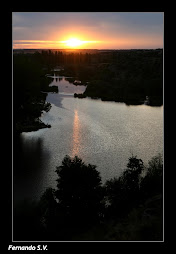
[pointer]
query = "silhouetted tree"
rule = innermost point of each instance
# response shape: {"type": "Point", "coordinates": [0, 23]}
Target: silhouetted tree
{"type": "Point", "coordinates": [152, 183]}
{"type": "Point", "coordinates": [131, 175]}
{"type": "Point", "coordinates": [79, 190]}
{"type": "Point", "coordinates": [123, 193]}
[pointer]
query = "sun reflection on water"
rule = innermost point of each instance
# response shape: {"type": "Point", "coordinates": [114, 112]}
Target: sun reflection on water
{"type": "Point", "coordinates": [76, 134]}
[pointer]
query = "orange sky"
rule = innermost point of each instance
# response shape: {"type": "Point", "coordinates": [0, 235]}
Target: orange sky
{"type": "Point", "coordinates": [95, 30]}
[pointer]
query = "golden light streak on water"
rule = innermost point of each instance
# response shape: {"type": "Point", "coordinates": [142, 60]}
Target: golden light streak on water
{"type": "Point", "coordinates": [76, 134]}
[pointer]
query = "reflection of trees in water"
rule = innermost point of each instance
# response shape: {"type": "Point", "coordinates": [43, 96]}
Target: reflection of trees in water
{"type": "Point", "coordinates": [30, 164]}
{"type": "Point", "coordinates": [31, 151]}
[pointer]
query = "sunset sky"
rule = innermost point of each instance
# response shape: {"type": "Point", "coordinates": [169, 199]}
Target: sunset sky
{"type": "Point", "coordinates": [89, 30]}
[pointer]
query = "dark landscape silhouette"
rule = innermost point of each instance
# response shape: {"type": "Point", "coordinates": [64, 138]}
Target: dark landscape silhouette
{"type": "Point", "coordinates": [81, 208]}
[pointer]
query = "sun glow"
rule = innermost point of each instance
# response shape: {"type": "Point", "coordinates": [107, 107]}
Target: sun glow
{"type": "Point", "coordinates": [71, 42]}
{"type": "Point", "coordinates": [74, 42]}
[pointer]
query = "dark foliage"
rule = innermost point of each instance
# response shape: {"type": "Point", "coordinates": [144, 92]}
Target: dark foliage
{"type": "Point", "coordinates": [79, 191]}
{"type": "Point", "coordinates": [123, 193]}
{"type": "Point", "coordinates": [29, 102]}
{"type": "Point", "coordinates": [152, 183]}
{"type": "Point", "coordinates": [127, 208]}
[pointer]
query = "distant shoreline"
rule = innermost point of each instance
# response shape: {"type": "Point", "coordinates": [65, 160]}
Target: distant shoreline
{"type": "Point", "coordinates": [31, 51]}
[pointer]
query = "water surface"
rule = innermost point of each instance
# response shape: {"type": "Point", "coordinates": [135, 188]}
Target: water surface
{"type": "Point", "coordinates": [102, 133]}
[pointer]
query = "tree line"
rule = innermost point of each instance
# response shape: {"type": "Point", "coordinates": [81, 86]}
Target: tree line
{"type": "Point", "coordinates": [124, 76]}
{"type": "Point", "coordinates": [50, 59]}
{"type": "Point", "coordinates": [82, 208]}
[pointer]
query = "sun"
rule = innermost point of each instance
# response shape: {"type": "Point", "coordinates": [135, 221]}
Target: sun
{"type": "Point", "coordinates": [74, 42]}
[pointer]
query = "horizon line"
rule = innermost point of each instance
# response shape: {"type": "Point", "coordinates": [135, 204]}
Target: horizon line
{"type": "Point", "coordinates": [86, 48]}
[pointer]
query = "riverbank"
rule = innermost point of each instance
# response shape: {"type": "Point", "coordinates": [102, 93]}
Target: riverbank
{"type": "Point", "coordinates": [136, 100]}
{"type": "Point", "coordinates": [30, 125]}
{"type": "Point", "coordinates": [30, 86]}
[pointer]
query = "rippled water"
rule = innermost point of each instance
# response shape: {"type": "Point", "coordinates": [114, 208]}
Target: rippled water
{"type": "Point", "coordinates": [105, 134]}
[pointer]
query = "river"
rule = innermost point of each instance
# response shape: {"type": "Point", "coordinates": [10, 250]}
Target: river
{"type": "Point", "coordinates": [102, 133]}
